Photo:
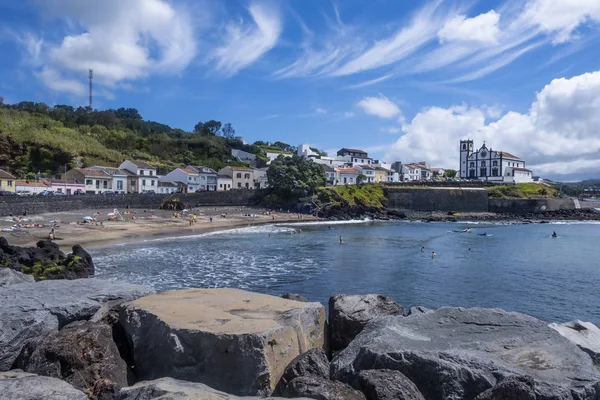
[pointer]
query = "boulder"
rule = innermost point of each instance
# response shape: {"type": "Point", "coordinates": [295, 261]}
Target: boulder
{"type": "Point", "coordinates": [313, 362]}
{"type": "Point", "coordinates": [385, 384]}
{"type": "Point", "coordinates": [84, 355]}
{"type": "Point", "coordinates": [511, 388]}
{"type": "Point", "coordinates": [31, 311]}
{"type": "Point", "coordinates": [584, 334]}
{"type": "Point", "coordinates": [229, 339]}
{"type": "Point", "coordinates": [174, 389]}
{"type": "Point", "coordinates": [316, 387]}
{"type": "Point", "coordinates": [457, 353]}
{"type": "Point", "coordinates": [18, 385]}
{"type": "Point", "coordinates": [418, 310]}
{"type": "Point", "coordinates": [295, 297]}
{"type": "Point", "coordinates": [348, 315]}
{"type": "Point", "coordinates": [11, 277]}
{"type": "Point", "coordinates": [108, 314]}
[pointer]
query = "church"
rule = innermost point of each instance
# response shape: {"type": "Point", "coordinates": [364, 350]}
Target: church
{"type": "Point", "coordinates": [491, 165]}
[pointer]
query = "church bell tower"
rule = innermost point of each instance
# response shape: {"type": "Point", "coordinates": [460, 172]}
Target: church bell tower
{"type": "Point", "coordinates": [466, 149]}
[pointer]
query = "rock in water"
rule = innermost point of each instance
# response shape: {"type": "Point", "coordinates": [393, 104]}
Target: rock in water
{"type": "Point", "coordinates": [313, 362]}
{"type": "Point", "coordinates": [511, 388]}
{"type": "Point", "coordinates": [229, 339]}
{"type": "Point", "coordinates": [12, 277]}
{"type": "Point", "coordinates": [31, 311]}
{"type": "Point", "coordinates": [348, 315]}
{"type": "Point", "coordinates": [295, 297]}
{"type": "Point", "coordinates": [457, 353]}
{"type": "Point", "coordinates": [18, 385]}
{"type": "Point", "coordinates": [84, 355]}
{"type": "Point", "coordinates": [315, 387]}
{"type": "Point", "coordinates": [584, 334]}
{"type": "Point", "coordinates": [384, 384]}
{"type": "Point", "coordinates": [174, 389]}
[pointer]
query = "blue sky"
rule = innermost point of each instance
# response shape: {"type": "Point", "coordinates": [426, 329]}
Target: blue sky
{"type": "Point", "coordinates": [405, 80]}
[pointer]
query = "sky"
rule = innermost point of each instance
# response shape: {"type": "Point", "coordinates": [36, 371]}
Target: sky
{"type": "Point", "coordinates": [403, 80]}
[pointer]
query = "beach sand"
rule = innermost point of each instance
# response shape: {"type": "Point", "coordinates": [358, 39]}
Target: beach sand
{"type": "Point", "coordinates": [138, 225]}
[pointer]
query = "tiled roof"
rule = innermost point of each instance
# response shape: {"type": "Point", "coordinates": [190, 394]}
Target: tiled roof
{"type": "Point", "coordinates": [129, 173]}
{"type": "Point", "coordinates": [142, 164]}
{"type": "Point", "coordinates": [328, 168]}
{"type": "Point", "coordinates": [6, 175]}
{"type": "Point", "coordinates": [188, 171]}
{"type": "Point", "coordinates": [348, 170]}
{"type": "Point", "coordinates": [92, 172]}
{"type": "Point", "coordinates": [241, 169]}
{"type": "Point", "coordinates": [31, 184]}
{"type": "Point", "coordinates": [521, 169]}
{"type": "Point", "coordinates": [508, 155]}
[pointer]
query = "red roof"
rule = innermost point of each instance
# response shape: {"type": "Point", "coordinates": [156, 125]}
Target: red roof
{"type": "Point", "coordinates": [348, 170]}
{"type": "Point", "coordinates": [508, 155]}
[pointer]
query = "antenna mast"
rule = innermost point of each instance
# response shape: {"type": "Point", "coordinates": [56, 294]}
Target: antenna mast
{"type": "Point", "coordinates": [91, 75]}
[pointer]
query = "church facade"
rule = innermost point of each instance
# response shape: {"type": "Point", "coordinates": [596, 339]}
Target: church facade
{"type": "Point", "coordinates": [491, 165]}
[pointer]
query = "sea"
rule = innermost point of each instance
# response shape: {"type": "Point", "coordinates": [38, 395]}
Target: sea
{"type": "Point", "coordinates": [516, 267]}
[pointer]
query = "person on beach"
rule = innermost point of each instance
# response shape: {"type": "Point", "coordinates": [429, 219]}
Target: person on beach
{"type": "Point", "coordinates": [433, 255]}
{"type": "Point", "coordinates": [341, 240]}
{"type": "Point", "coordinates": [211, 220]}
{"type": "Point", "coordinates": [51, 233]}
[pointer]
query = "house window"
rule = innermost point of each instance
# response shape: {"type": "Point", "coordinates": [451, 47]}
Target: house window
{"type": "Point", "coordinates": [105, 184]}
{"type": "Point", "coordinates": [141, 172]}
{"type": "Point", "coordinates": [97, 184]}
{"type": "Point", "coordinates": [239, 184]}
{"type": "Point", "coordinates": [472, 165]}
{"type": "Point", "coordinates": [89, 182]}
{"type": "Point", "coordinates": [68, 191]}
{"type": "Point", "coordinates": [221, 185]}
{"type": "Point", "coordinates": [482, 172]}
{"type": "Point", "coordinates": [508, 174]}
{"type": "Point", "coordinates": [9, 183]}
{"type": "Point", "coordinates": [143, 182]}
{"type": "Point", "coordinates": [150, 173]}
{"type": "Point", "coordinates": [239, 176]}
{"type": "Point", "coordinates": [247, 185]}
{"type": "Point", "coordinates": [152, 183]}
{"type": "Point", "coordinates": [464, 146]}
{"type": "Point", "coordinates": [495, 163]}
{"type": "Point", "coordinates": [119, 185]}
{"type": "Point", "coordinates": [132, 183]}
{"type": "Point", "coordinates": [495, 172]}
{"type": "Point", "coordinates": [246, 176]}
{"type": "Point", "coordinates": [483, 163]}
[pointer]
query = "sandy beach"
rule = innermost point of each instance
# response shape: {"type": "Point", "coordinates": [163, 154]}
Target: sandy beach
{"type": "Point", "coordinates": [137, 225]}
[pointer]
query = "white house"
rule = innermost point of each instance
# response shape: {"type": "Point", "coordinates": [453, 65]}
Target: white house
{"type": "Point", "coordinates": [146, 174]}
{"type": "Point", "coordinates": [167, 187]}
{"type": "Point", "coordinates": [347, 176]}
{"type": "Point", "coordinates": [491, 165]}
{"type": "Point", "coordinates": [331, 175]}
{"type": "Point", "coordinates": [224, 183]}
{"type": "Point", "coordinates": [393, 176]}
{"type": "Point", "coordinates": [367, 171]}
{"type": "Point", "coordinates": [272, 155]}
{"type": "Point", "coordinates": [31, 187]}
{"type": "Point", "coordinates": [119, 178]}
{"type": "Point", "coordinates": [207, 177]}
{"type": "Point", "coordinates": [190, 178]}
{"type": "Point", "coordinates": [355, 156]}
{"type": "Point", "coordinates": [260, 178]}
{"type": "Point", "coordinates": [95, 181]}
{"type": "Point", "coordinates": [411, 172]}
{"type": "Point", "coordinates": [305, 151]}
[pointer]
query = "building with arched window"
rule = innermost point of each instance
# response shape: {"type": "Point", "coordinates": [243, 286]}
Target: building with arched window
{"type": "Point", "coordinates": [491, 165]}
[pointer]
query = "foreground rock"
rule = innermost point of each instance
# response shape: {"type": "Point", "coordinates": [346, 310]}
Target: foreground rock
{"type": "Point", "coordinates": [315, 387]}
{"type": "Point", "coordinates": [174, 389]}
{"type": "Point", "coordinates": [31, 311]}
{"type": "Point", "coordinates": [229, 339]}
{"type": "Point", "coordinates": [584, 334]}
{"type": "Point", "coordinates": [349, 314]}
{"type": "Point", "coordinates": [384, 384]}
{"type": "Point", "coordinates": [295, 297]}
{"type": "Point", "coordinates": [511, 388]}
{"type": "Point", "coordinates": [456, 353]}
{"type": "Point", "coordinates": [46, 261]}
{"type": "Point", "coordinates": [84, 355]}
{"type": "Point", "coordinates": [18, 385]}
{"type": "Point", "coordinates": [11, 277]}
{"type": "Point", "coordinates": [314, 362]}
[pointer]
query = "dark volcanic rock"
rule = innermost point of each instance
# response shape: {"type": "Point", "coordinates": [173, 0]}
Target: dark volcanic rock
{"type": "Point", "coordinates": [11, 277]}
{"type": "Point", "coordinates": [31, 311]}
{"type": "Point", "coordinates": [84, 355]}
{"type": "Point", "coordinates": [313, 362]}
{"type": "Point", "coordinates": [511, 388]}
{"type": "Point", "coordinates": [315, 387]}
{"type": "Point", "coordinates": [348, 315]}
{"type": "Point", "coordinates": [418, 310]}
{"type": "Point", "coordinates": [295, 297]}
{"type": "Point", "coordinates": [385, 384]}
{"type": "Point", "coordinates": [46, 261]}
{"type": "Point", "coordinates": [19, 385]}
{"type": "Point", "coordinates": [456, 353]}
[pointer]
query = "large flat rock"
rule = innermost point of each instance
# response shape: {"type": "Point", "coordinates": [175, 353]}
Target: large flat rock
{"type": "Point", "coordinates": [457, 353]}
{"type": "Point", "coordinates": [229, 339]}
{"type": "Point", "coordinates": [31, 311]}
{"type": "Point", "coordinates": [584, 334]}
{"type": "Point", "coordinates": [18, 385]}
{"type": "Point", "coordinates": [11, 277]}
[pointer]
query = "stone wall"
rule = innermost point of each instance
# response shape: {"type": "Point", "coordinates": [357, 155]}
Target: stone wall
{"type": "Point", "coordinates": [521, 206]}
{"type": "Point", "coordinates": [438, 199]}
{"type": "Point", "coordinates": [15, 205]}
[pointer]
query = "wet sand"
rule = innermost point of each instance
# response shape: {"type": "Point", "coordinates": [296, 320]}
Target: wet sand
{"type": "Point", "coordinates": [138, 225]}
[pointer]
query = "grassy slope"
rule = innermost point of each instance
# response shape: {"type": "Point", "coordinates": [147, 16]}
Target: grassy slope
{"type": "Point", "coordinates": [522, 191]}
{"type": "Point", "coordinates": [370, 196]}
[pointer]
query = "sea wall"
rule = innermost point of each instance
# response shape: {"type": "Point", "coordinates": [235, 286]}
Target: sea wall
{"type": "Point", "coordinates": [15, 205]}
{"type": "Point", "coordinates": [522, 206]}
{"type": "Point", "coordinates": [438, 199]}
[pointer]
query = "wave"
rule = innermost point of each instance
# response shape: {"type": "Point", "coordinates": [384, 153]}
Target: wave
{"type": "Point", "coordinates": [352, 221]}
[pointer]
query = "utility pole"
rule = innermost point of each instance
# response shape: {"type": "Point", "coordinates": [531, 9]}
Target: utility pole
{"type": "Point", "coordinates": [91, 75]}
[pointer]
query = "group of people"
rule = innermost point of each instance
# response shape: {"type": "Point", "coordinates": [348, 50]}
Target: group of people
{"type": "Point", "coordinates": [433, 255]}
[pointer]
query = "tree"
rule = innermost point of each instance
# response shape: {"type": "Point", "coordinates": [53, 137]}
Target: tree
{"type": "Point", "coordinates": [360, 179]}
{"type": "Point", "coordinates": [450, 173]}
{"type": "Point", "coordinates": [295, 175]}
{"type": "Point", "coordinates": [227, 131]}
{"type": "Point", "coordinates": [207, 128]}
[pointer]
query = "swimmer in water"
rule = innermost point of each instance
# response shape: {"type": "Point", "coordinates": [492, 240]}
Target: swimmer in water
{"type": "Point", "coordinates": [433, 255]}
{"type": "Point", "coordinates": [554, 234]}
{"type": "Point", "coordinates": [269, 235]}
{"type": "Point", "coordinates": [341, 240]}
{"type": "Point", "coordinates": [422, 249]}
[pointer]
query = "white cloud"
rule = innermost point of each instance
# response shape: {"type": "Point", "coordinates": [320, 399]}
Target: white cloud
{"type": "Point", "coordinates": [321, 111]}
{"type": "Point", "coordinates": [562, 17]}
{"type": "Point", "coordinates": [558, 136]}
{"type": "Point", "coordinates": [52, 79]}
{"type": "Point", "coordinates": [245, 43]}
{"type": "Point", "coordinates": [120, 40]}
{"type": "Point", "coordinates": [391, 130]}
{"type": "Point", "coordinates": [482, 28]}
{"type": "Point", "coordinates": [379, 106]}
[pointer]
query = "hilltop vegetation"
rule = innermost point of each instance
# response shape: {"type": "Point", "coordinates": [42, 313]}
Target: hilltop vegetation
{"type": "Point", "coordinates": [522, 191]}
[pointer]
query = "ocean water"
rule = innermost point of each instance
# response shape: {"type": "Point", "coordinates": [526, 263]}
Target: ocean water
{"type": "Point", "coordinates": [515, 267]}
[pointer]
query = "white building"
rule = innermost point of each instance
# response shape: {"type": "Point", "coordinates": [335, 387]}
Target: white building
{"type": "Point", "coordinates": [305, 151]}
{"type": "Point", "coordinates": [224, 183]}
{"type": "Point", "coordinates": [331, 175]}
{"type": "Point", "coordinates": [367, 171]}
{"type": "Point", "coordinates": [167, 187]}
{"type": "Point", "coordinates": [347, 176]}
{"type": "Point", "coordinates": [491, 165]}
{"type": "Point", "coordinates": [272, 155]}
{"type": "Point", "coordinates": [119, 178]}
{"type": "Point", "coordinates": [243, 156]}
{"type": "Point", "coordinates": [260, 178]}
{"type": "Point", "coordinates": [411, 172]}
{"type": "Point", "coordinates": [146, 174]}
{"type": "Point", "coordinates": [207, 177]}
{"type": "Point", "coordinates": [186, 176]}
